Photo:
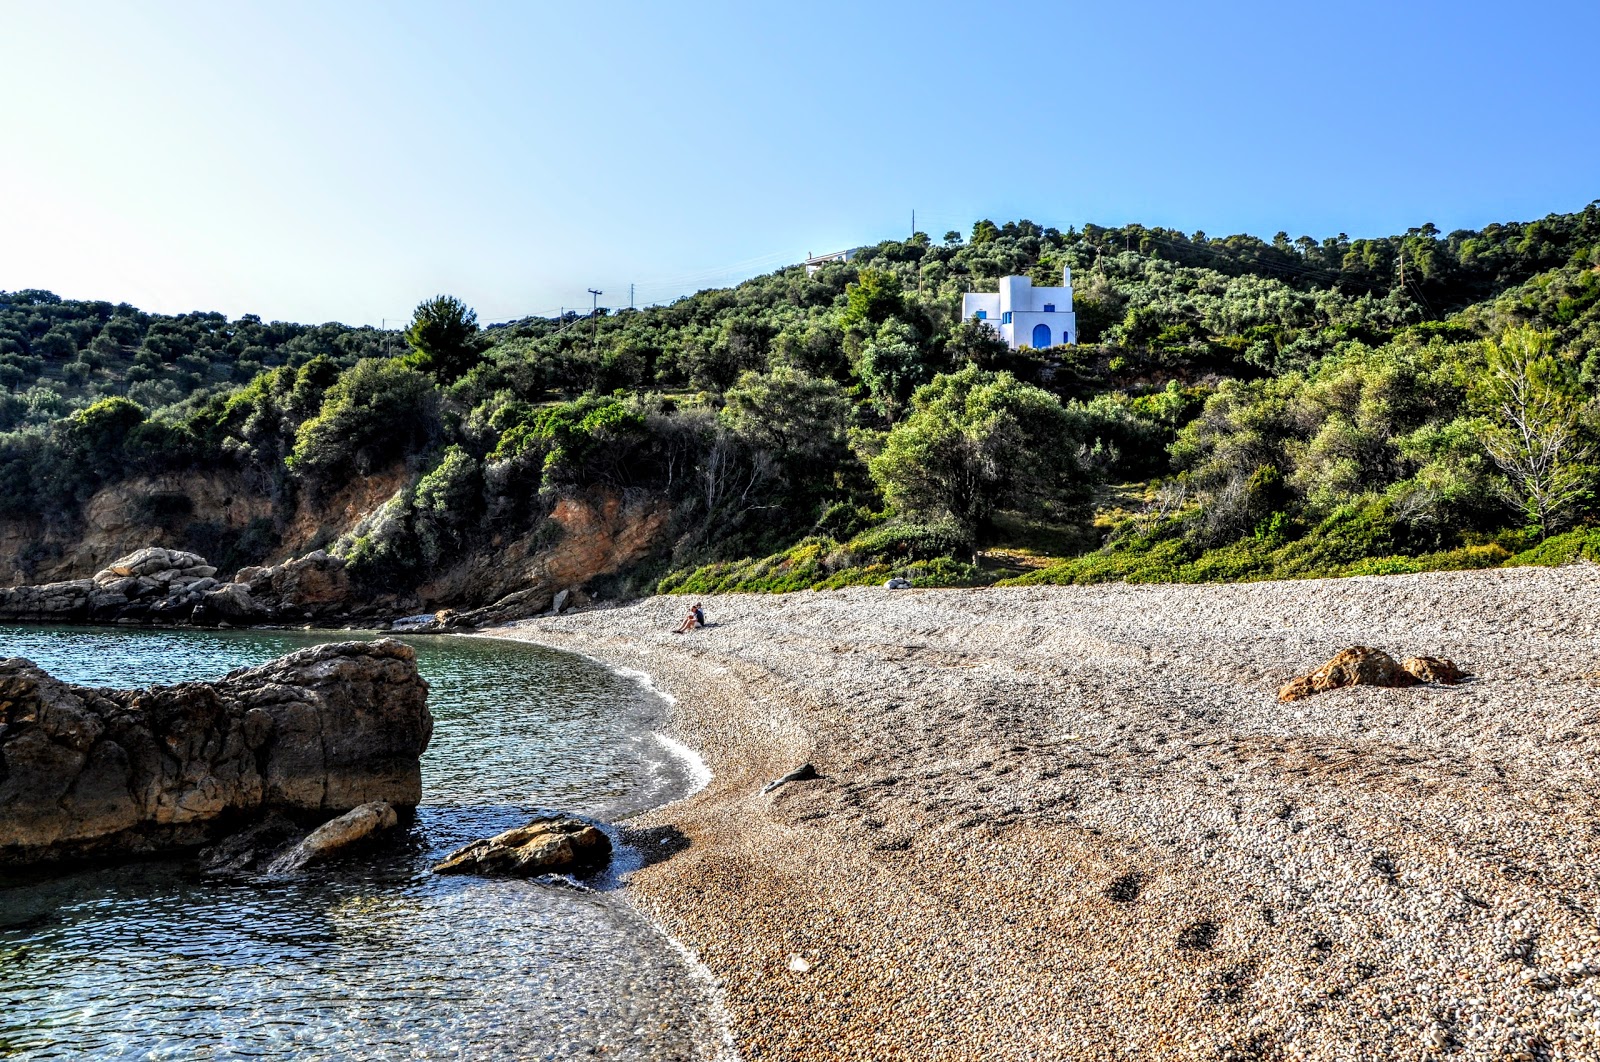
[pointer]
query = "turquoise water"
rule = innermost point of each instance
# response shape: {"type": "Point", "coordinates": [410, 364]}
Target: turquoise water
{"type": "Point", "coordinates": [369, 958]}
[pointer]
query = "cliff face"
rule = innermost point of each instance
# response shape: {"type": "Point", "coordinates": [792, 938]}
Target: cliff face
{"type": "Point", "coordinates": [595, 534]}
{"type": "Point", "coordinates": [59, 570]}
{"type": "Point", "coordinates": [105, 773]}
{"type": "Point", "coordinates": [204, 512]}
{"type": "Point", "coordinates": [168, 511]}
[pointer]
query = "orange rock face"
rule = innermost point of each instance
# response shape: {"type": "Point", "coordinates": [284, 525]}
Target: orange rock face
{"type": "Point", "coordinates": [1361, 665]}
{"type": "Point", "coordinates": [1433, 669]}
{"type": "Point", "coordinates": [1358, 665]}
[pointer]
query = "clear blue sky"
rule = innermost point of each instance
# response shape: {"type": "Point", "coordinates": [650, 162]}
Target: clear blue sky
{"type": "Point", "coordinates": [341, 161]}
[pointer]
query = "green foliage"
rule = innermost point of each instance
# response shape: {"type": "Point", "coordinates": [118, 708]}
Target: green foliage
{"type": "Point", "coordinates": [375, 413]}
{"type": "Point", "coordinates": [814, 563]}
{"type": "Point", "coordinates": [1298, 409]}
{"type": "Point", "coordinates": [976, 442]}
{"type": "Point", "coordinates": [1536, 436]}
{"type": "Point", "coordinates": [592, 438]}
{"type": "Point", "coordinates": [443, 336]}
{"type": "Point", "coordinates": [875, 297]}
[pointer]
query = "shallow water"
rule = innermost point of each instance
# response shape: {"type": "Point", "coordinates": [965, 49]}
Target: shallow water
{"type": "Point", "coordinates": [371, 957]}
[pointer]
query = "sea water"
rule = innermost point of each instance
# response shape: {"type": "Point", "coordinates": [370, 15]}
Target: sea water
{"type": "Point", "coordinates": [369, 957]}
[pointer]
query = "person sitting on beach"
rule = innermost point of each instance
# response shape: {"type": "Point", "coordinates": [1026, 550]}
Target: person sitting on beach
{"type": "Point", "coordinates": [694, 619]}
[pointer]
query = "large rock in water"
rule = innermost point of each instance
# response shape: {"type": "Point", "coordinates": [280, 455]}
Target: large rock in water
{"type": "Point", "coordinates": [551, 844]}
{"type": "Point", "coordinates": [92, 773]}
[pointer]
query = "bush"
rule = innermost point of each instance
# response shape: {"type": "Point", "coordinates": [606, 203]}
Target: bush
{"type": "Point", "coordinates": [375, 413]}
{"type": "Point", "coordinates": [903, 541]}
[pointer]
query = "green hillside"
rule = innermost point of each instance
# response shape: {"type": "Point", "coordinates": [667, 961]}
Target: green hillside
{"type": "Point", "coordinates": [1238, 408]}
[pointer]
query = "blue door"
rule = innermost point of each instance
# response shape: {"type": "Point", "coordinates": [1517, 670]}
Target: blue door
{"type": "Point", "coordinates": [1041, 336]}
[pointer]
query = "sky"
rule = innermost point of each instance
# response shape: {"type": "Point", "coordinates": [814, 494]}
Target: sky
{"type": "Point", "coordinates": [343, 161]}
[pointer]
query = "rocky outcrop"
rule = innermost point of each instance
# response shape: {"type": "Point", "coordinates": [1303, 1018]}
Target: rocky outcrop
{"type": "Point", "coordinates": [151, 584]}
{"type": "Point", "coordinates": [1433, 669]}
{"type": "Point", "coordinates": [155, 585]}
{"type": "Point", "coordinates": [551, 844]}
{"type": "Point", "coordinates": [312, 587]}
{"type": "Point", "coordinates": [1361, 665]}
{"type": "Point", "coordinates": [104, 773]}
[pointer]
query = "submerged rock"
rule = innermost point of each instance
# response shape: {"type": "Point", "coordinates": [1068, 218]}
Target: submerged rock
{"type": "Point", "coordinates": [336, 834]}
{"type": "Point", "coordinates": [553, 844]}
{"type": "Point", "coordinates": [103, 773]}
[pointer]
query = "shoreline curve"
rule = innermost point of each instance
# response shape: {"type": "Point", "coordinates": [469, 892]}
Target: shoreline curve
{"type": "Point", "coordinates": [1074, 822]}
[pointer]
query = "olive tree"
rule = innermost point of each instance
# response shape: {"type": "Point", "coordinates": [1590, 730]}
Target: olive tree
{"type": "Point", "coordinates": [977, 442]}
{"type": "Point", "coordinates": [1536, 435]}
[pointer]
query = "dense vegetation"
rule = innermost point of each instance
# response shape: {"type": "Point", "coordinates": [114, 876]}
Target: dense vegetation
{"type": "Point", "coordinates": [1237, 408]}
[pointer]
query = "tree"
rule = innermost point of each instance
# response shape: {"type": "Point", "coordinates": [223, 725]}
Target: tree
{"type": "Point", "coordinates": [97, 434]}
{"type": "Point", "coordinates": [978, 442]}
{"type": "Point", "coordinates": [978, 343]}
{"type": "Point", "coordinates": [875, 297]}
{"type": "Point", "coordinates": [801, 420]}
{"type": "Point", "coordinates": [892, 367]}
{"type": "Point", "coordinates": [444, 338]}
{"type": "Point", "coordinates": [1536, 438]}
{"type": "Point", "coordinates": [378, 411]}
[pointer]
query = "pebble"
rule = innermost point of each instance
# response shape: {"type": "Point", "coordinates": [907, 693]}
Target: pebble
{"type": "Point", "coordinates": [1380, 871]}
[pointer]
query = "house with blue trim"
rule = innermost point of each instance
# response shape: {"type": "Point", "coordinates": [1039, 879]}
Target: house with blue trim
{"type": "Point", "coordinates": [1026, 316]}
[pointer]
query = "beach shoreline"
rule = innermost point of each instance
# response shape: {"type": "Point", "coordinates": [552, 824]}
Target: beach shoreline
{"type": "Point", "coordinates": [1074, 822]}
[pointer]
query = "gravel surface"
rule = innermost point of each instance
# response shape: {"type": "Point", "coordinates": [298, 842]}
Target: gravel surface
{"type": "Point", "coordinates": [1074, 822]}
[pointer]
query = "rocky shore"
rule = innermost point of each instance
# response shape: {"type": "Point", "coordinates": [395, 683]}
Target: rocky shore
{"type": "Point", "coordinates": [97, 774]}
{"type": "Point", "coordinates": [1076, 822]}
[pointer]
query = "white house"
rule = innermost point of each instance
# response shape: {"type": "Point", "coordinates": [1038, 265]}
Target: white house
{"type": "Point", "coordinates": [1026, 316]}
{"type": "Point", "coordinates": [816, 262]}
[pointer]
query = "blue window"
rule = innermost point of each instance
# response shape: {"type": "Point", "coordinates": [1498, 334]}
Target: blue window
{"type": "Point", "coordinates": [981, 315]}
{"type": "Point", "coordinates": [1005, 318]}
{"type": "Point", "coordinates": [1049, 307]}
{"type": "Point", "coordinates": [1041, 336]}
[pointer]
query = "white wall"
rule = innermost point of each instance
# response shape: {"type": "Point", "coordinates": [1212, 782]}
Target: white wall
{"type": "Point", "coordinates": [1025, 303]}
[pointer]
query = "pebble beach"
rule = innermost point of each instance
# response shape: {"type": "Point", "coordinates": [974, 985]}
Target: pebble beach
{"type": "Point", "coordinates": [1076, 823]}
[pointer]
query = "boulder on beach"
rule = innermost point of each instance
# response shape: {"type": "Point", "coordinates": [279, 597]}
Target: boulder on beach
{"type": "Point", "coordinates": [87, 773]}
{"type": "Point", "coordinates": [1433, 669]}
{"type": "Point", "coordinates": [552, 844]}
{"type": "Point", "coordinates": [1362, 665]}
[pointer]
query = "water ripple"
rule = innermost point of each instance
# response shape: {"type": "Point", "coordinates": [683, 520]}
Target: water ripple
{"type": "Point", "coordinates": [370, 959]}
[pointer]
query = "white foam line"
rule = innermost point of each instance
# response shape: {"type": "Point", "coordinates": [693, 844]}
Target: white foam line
{"type": "Point", "coordinates": [726, 1049]}
{"type": "Point", "coordinates": [700, 775]}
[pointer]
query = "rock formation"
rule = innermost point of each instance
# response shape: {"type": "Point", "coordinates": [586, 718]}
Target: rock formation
{"type": "Point", "coordinates": [91, 773]}
{"type": "Point", "coordinates": [1360, 665]}
{"type": "Point", "coordinates": [335, 835]}
{"type": "Point", "coordinates": [155, 585]}
{"type": "Point", "coordinates": [550, 844]}
{"type": "Point", "coordinates": [315, 586]}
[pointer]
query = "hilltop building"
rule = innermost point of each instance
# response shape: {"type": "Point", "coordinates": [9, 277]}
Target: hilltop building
{"type": "Point", "coordinates": [1026, 316]}
{"type": "Point", "coordinates": [814, 263]}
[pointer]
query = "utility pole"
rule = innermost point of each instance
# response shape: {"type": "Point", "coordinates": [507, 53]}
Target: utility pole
{"type": "Point", "coordinates": [913, 221]}
{"type": "Point", "coordinates": [630, 296]}
{"type": "Point", "coordinates": [594, 312]}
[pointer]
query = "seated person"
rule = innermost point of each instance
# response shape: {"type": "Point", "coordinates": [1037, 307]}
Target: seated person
{"type": "Point", "coordinates": [694, 619]}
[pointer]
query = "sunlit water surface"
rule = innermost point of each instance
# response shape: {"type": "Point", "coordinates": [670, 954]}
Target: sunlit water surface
{"type": "Point", "coordinates": [369, 957]}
